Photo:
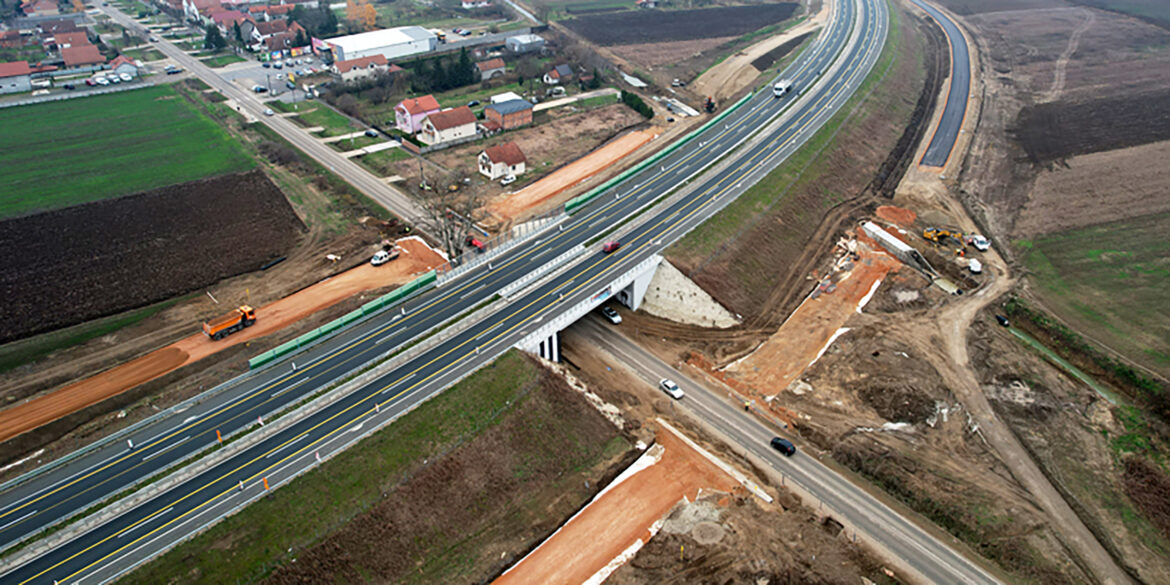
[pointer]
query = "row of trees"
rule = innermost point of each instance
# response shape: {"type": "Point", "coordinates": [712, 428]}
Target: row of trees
{"type": "Point", "coordinates": [441, 74]}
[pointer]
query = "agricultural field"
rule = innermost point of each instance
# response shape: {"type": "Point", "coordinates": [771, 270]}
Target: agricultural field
{"type": "Point", "coordinates": [1057, 130]}
{"type": "Point", "coordinates": [87, 261]}
{"type": "Point", "coordinates": [107, 146]}
{"type": "Point", "coordinates": [968, 7]}
{"type": "Point", "coordinates": [1109, 280]}
{"type": "Point", "coordinates": [678, 25]}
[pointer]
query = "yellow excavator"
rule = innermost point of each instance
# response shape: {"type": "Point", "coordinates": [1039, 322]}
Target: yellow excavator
{"type": "Point", "coordinates": [941, 235]}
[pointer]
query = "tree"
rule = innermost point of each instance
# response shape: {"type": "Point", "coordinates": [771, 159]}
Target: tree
{"type": "Point", "coordinates": [466, 69]}
{"type": "Point", "coordinates": [451, 229]}
{"type": "Point", "coordinates": [595, 83]}
{"type": "Point", "coordinates": [300, 40]}
{"type": "Point", "coordinates": [368, 16]}
{"type": "Point", "coordinates": [214, 41]}
{"type": "Point", "coordinates": [238, 33]}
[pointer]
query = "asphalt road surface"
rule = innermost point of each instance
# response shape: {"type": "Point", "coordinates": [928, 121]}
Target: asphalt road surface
{"type": "Point", "coordinates": [943, 141]}
{"type": "Point", "coordinates": [396, 201]}
{"type": "Point", "coordinates": [111, 548]}
{"type": "Point", "coordinates": [933, 560]}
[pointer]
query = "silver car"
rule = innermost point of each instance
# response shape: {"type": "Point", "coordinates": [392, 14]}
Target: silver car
{"type": "Point", "coordinates": [671, 389]}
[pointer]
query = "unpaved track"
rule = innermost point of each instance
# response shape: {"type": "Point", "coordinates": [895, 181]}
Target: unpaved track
{"type": "Point", "coordinates": [620, 517]}
{"type": "Point", "coordinates": [950, 358]}
{"type": "Point", "coordinates": [514, 206]}
{"type": "Point", "coordinates": [416, 258]}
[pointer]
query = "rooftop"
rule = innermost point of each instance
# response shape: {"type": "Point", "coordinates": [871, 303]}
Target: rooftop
{"type": "Point", "coordinates": [421, 105]}
{"type": "Point", "coordinates": [380, 38]}
{"type": "Point", "coordinates": [510, 106]}
{"type": "Point", "coordinates": [507, 153]}
{"type": "Point", "coordinates": [362, 63]}
{"type": "Point", "coordinates": [14, 68]}
{"type": "Point", "coordinates": [490, 64]}
{"type": "Point", "coordinates": [78, 55]}
{"type": "Point", "coordinates": [452, 118]}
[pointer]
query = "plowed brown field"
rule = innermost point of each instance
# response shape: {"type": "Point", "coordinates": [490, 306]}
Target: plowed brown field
{"type": "Point", "coordinates": [416, 258]}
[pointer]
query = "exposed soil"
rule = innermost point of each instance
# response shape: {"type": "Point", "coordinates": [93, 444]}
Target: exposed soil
{"type": "Point", "coordinates": [965, 7]}
{"type": "Point", "coordinates": [623, 516]}
{"type": "Point", "coordinates": [1054, 131]}
{"type": "Point", "coordinates": [510, 207]}
{"type": "Point", "coordinates": [479, 507]}
{"type": "Point", "coordinates": [669, 52]}
{"type": "Point", "coordinates": [655, 26]}
{"type": "Point", "coordinates": [1098, 188]}
{"type": "Point", "coordinates": [414, 259]}
{"type": "Point", "coordinates": [75, 264]}
{"type": "Point", "coordinates": [1149, 488]}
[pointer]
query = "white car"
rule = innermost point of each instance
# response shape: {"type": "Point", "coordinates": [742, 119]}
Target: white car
{"type": "Point", "coordinates": [114, 79]}
{"type": "Point", "coordinates": [382, 256]}
{"type": "Point", "coordinates": [975, 266]}
{"type": "Point", "coordinates": [125, 77]}
{"type": "Point", "coordinates": [981, 243]}
{"type": "Point", "coordinates": [611, 315]}
{"type": "Point", "coordinates": [671, 389]}
{"type": "Point", "coordinates": [102, 81]}
{"type": "Point", "coordinates": [508, 180]}
{"type": "Point", "coordinates": [269, 112]}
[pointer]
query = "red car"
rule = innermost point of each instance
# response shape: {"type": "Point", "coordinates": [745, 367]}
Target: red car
{"type": "Point", "coordinates": [611, 246]}
{"type": "Point", "coordinates": [473, 242]}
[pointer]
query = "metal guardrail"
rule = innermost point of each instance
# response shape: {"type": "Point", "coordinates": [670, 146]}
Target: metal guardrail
{"type": "Point", "coordinates": [499, 244]}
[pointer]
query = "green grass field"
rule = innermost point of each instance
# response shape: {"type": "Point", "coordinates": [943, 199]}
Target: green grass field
{"type": "Point", "coordinates": [221, 60]}
{"type": "Point", "coordinates": [65, 153]}
{"type": "Point", "coordinates": [334, 124]}
{"type": "Point", "coordinates": [1110, 282]}
{"type": "Point", "coordinates": [381, 162]}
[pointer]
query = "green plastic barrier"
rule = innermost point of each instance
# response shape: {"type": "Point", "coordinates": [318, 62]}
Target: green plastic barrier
{"type": "Point", "coordinates": [580, 201]}
{"type": "Point", "coordinates": [385, 300]}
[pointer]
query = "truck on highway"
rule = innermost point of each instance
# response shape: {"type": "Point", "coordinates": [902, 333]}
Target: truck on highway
{"type": "Point", "coordinates": [243, 316]}
{"type": "Point", "coordinates": [782, 87]}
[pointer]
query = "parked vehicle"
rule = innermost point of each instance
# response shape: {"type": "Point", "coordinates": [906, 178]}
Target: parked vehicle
{"type": "Point", "coordinates": [102, 81]}
{"type": "Point", "coordinates": [153, 39]}
{"type": "Point", "coordinates": [610, 247]}
{"type": "Point", "coordinates": [981, 243]}
{"type": "Point", "coordinates": [114, 79]}
{"type": "Point", "coordinates": [975, 266]}
{"type": "Point", "coordinates": [243, 316]}
{"type": "Point", "coordinates": [611, 315]}
{"type": "Point", "coordinates": [784, 446]}
{"type": "Point", "coordinates": [1003, 321]}
{"type": "Point", "coordinates": [473, 242]}
{"type": "Point", "coordinates": [277, 65]}
{"type": "Point", "coordinates": [472, 103]}
{"type": "Point", "coordinates": [671, 389]}
{"type": "Point", "coordinates": [508, 180]}
{"type": "Point", "coordinates": [266, 65]}
{"type": "Point", "coordinates": [125, 77]}
{"type": "Point", "coordinates": [383, 256]}
{"type": "Point", "coordinates": [782, 88]}
{"type": "Point", "coordinates": [259, 89]}
{"type": "Point", "coordinates": [371, 133]}
{"type": "Point", "coordinates": [90, 82]}
{"type": "Point", "coordinates": [69, 86]}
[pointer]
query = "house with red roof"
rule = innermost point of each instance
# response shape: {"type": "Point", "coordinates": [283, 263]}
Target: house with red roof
{"type": "Point", "coordinates": [41, 8]}
{"type": "Point", "coordinates": [15, 77]}
{"type": "Point", "coordinates": [124, 64]}
{"type": "Point", "coordinates": [227, 20]}
{"type": "Point", "coordinates": [70, 39]}
{"type": "Point", "coordinates": [410, 113]}
{"type": "Point", "coordinates": [270, 13]}
{"type": "Point", "coordinates": [448, 126]}
{"type": "Point", "coordinates": [83, 58]}
{"type": "Point", "coordinates": [365, 67]}
{"type": "Point", "coordinates": [490, 68]}
{"type": "Point", "coordinates": [502, 160]}
{"type": "Point", "coordinates": [200, 10]}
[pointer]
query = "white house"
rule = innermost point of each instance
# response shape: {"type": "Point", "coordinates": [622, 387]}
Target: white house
{"type": "Point", "coordinates": [502, 160]}
{"type": "Point", "coordinates": [448, 125]}
{"type": "Point", "coordinates": [472, 4]}
{"type": "Point", "coordinates": [558, 75]}
{"type": "Point", "coordinates": [15, 77]}
{"type": "Point", "coordinates": [124, 64]}
{"type": "Point", "coordinates": [356, 69]}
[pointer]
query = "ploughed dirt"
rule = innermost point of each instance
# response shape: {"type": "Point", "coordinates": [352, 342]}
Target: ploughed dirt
{"type": "Point", "coordinates": [510, 207]}
{"type": "Point", "coordinates": [71, 265]}
{"type": "Point", "coordinates": [1054, 131]}
{"type": "Point", "coordinates": [650, 26]}
{"type": "Point", "coordinates": [667, 53]}
{"type": "Point", "coordinates": [622, 518]}
{"type": "Point", "coordinates": [416, 257]}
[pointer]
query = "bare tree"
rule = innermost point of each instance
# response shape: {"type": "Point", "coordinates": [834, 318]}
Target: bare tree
{"type": "Point", "coordinates": [451, 207]}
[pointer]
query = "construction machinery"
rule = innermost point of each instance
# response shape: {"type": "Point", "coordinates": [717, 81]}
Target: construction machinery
{"type": "Point", "coordinates": [943, 235]}
{"type": "Point", "coordinates": [243, 316]}
{"type": "Point", "coordinates": [709, 105]}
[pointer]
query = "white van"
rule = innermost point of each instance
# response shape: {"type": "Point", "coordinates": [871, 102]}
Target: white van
{"type": "Point", "coordinates": [782, 87]}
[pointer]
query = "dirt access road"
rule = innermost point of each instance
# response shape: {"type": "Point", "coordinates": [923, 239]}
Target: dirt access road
{"type": "Point", "coordinates": [623, 517]}
{"type": "Point", "coordinates": [416, 258]}
{"type": "Point", "coordinates": [736, 72]}
{"type": "Point", "coordinates": [527, 200]}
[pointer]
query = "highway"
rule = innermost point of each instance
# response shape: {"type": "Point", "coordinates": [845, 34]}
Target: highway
{"type": "Point", "coordinates": [875, 523]}
{"type": "Point", "coordinates": [396, 201]}
{"type": "Point", "coordinates": [112, 547]}
{"type": "Point", "coordinates": [938, 152]}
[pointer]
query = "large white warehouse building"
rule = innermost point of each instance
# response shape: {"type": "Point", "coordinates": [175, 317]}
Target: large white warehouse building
{"type": "Point", "coordinates": [393, 43]}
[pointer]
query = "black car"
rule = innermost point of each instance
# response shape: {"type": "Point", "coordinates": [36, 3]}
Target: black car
{"type": "Point", "coordinates": [371, 133]}
{"type": "Point", "coordinates": [266, 65]}
{"type": "Point", "coordinates": [472, 103]}
{"type": "Point", "coordinates": [69, 86]}
{"type": "Point", "coordinates": [784, 446]}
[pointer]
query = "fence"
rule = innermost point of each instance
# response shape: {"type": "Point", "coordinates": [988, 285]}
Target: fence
{"type": "Point", "coordinates": [371, 307]}
{"type": "Point", "coordinates": [68, 95]}
{"type": "Point", "coordinates": [575, 204]}
{"type": "Point", "coordinates": [499, 244]}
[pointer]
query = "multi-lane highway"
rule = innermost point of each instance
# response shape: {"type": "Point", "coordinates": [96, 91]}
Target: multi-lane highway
{"type": "Point", "coordinates": [938, 152]}
{"type": "Point", "coordinates": [875, 522]}
{"type": "Point", "coordinates": [844, 54]}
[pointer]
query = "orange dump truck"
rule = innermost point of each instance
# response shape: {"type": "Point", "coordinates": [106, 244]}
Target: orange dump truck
{"type": "Point", "coordinates": [242, 317]}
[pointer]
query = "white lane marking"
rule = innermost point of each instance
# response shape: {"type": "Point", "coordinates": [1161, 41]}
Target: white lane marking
{"type": "Point", "coordinates": [288, 444]}
{"type": "Point", "coordinates": [140, 525]}
{"type": "Point", "coordinates": [161, 451]}
{"type": "Point", "coordinates": [401, 380]}
{"type": "Point", "coordinates": [473, 291]}
{"type": "Point", "coordinates": [18, 520]}
{"type": "Point", "coordinates": [290, 388]}
{"type": "Point", "coordinates": [190, 419]}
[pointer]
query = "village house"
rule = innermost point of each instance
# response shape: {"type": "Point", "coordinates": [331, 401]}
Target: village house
{"type": "Point", "coordinates": [270, 13]}
{"type": "Point", "coordinates": [490, 68]}
{"type": "Point", "coordinates": [256, 33]}
{"type": "Point", "coordinates": [448, 126]}
{"type": "Point", "coordinates": [510, 114]}
{"type": "Point", "coordinates": [409, 113]}
{"type": "Point", "coordinates": [365, 67]}
{"type": "Point", "coordinates": [41, 8]}
{"type": "Point", "coordinates": [64, 40]}
{"type": "Point", "coordinates": [559, 74]}
{"type": "Point", "coordinates": [124, 64]}
{"type": "Point", "coordinates": [502, 160]}
{"type": "Point", "coordinates": [472, 4]}
{"type": "Point", "coordinates": [227, 20]}
{"type": "Point", "coordinates": [82, 58]}
{"type": "Point", "coordinates": [11, 39]}
{"type": "Point", "coordinates": [200, 10]}
{"type": "Point", "coordinates": [15, 77]}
